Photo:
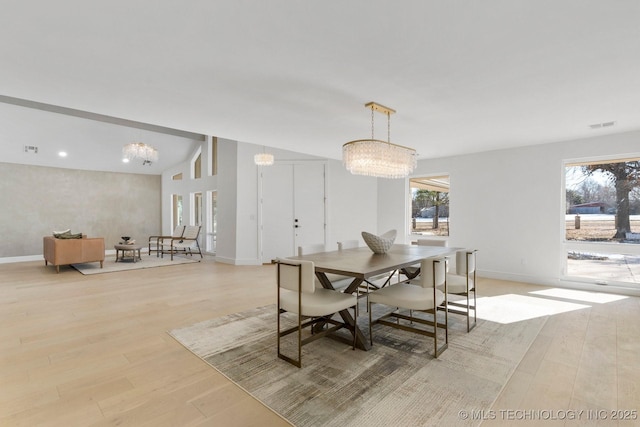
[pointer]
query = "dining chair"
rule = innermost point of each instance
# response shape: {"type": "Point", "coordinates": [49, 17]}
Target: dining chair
{"type": "Point", "coordinates": [463, 283]}
{"type": "Point", "coordinates": [155, 242]}
{"type": "Point", "coordinates": [338, 281]}
{"type": "Point", "coordinates": [427, 297]}
{"type": "Point", "coordinates": [348, 244]}
{"type": "Point", "coordinates": [298, 294]}
{"type": "Point", "coordinates": [311, 249]}
{"type": "Point", "coordinates": [188, 242]}
{"type": "Point", "coordinates": [413, 271]}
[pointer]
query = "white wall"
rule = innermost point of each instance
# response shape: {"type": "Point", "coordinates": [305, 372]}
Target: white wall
{"type": "Point", "coordinates": [509, 204]}
{"type": "Point", "coordinates": [351, 205]}
{"type": "Point", "coordinates": [392, 209]}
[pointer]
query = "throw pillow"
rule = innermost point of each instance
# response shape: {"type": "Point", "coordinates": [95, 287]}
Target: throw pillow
{"type": "Point", "coordinates": [68, 235]}
{"type": "Point", "coordinates": [58, 233]}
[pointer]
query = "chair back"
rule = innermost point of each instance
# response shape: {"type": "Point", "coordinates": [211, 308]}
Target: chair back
{"type": "Point", "coordinates": [191, 232]}
{"type": "Point", "coordinates": [465, 262]}
{"type": "Point", "coordinates": [178, 231]}
{"type": "Point", "coordinates": [432, 242]}
{"type": "Point", "coordinates": [391, 234]}
{"type": "Point", "coordinates": [433, 272]}
{"type": "Point", "coordinates": [295, 274]}
{"type": "Point", "coordinates": [348, 244]}
{"type": "Point", "coordinates": [311, 249]}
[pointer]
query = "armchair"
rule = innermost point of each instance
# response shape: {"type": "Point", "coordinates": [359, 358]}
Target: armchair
{"type": "Point", "coordinates": [188, 242]}
{"type": "Point", "coordinates": [155, 242]}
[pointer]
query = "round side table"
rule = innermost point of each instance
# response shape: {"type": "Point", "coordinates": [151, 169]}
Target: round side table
{"type": "Point", "coordinates": [132, 251]}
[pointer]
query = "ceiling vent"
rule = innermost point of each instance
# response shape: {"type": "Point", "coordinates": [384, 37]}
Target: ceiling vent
{"type": "Point", "coordinates": [31, 149]}
{"type": "Point", "coordinates": [602, 125]}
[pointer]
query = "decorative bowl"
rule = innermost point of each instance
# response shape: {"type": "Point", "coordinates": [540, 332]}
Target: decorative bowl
{"type": "Point", "coordinates": [126, 238]}
{"type": "Point", "coordinates": [380, 244]}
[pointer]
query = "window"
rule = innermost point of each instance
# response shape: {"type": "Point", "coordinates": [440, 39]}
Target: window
{"type": "Point", "coordinates": [430, 205]}
{"type": "Point", "coordinates": [214, 155]}
{"type": "Point", "coordinates": [176, 210]}
{"type": "Point", "coordinates": [197, 209]}
{"type": "Point", "coordinates": [602, 220]}
{"type": "Point", "coordinates": [197, 166]}
{"type": "Point", "coordinates": [177, 177]}
{"type": "Point", "coordinates": [212, 221]}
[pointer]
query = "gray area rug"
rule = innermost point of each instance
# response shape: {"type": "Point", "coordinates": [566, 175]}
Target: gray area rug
{"type": "Point", "coordinates": [110, 265]}
{"type": "Point", "coordinates": [397, 383]}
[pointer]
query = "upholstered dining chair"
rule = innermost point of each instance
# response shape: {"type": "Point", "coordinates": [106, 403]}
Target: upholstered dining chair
{"type": "Point", "coordinates": [413, 271]}
{"type": "Point", "coordinates": [155, 242]}
{"type": "Point", "coordinates": [348, 244]}
{"type": "Point", "coordinates": [298, 294]}
{"type": "Point", "coordinates": [188, 242]}
{"type": "Point", "coordinates": [463, 283]}
{"type": "Point", "coordinates": [338, 281]}
{"type": "Point", "coordinates": [427, 297]}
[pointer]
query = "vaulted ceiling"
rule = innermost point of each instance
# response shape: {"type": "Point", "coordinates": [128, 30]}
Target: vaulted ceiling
{"type": "Point", "coordinates": [464, 76]}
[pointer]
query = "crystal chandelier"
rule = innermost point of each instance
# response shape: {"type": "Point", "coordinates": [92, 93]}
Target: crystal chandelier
{"type": "Point", "coordinates": [263, 159]}
{"type": "Point", "coordinates": [140, 150]}
{"type": "Point", "coordinates": [381, 159]}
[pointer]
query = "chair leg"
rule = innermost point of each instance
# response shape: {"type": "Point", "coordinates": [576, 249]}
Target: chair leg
{"type": "Point", "coordinates": [355, 323]}
{"type": "Point", "coordinates": [370, 331]}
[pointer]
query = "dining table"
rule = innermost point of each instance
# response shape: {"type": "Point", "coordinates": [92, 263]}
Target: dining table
{"type": "Point", "coordinates": [362, 264]}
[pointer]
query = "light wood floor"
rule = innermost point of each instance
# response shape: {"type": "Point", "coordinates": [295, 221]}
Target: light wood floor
{"type": "Point", "coordinates": [93, 350]}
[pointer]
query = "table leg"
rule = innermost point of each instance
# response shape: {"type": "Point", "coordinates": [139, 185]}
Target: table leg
{"type": "Point", "coordinates": [361, 342]}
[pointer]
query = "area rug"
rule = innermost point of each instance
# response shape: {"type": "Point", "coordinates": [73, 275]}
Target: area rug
{"type": "Point", "coordinates": [110, 265]}
{"type": "Point", "coordinates": [396, 383]}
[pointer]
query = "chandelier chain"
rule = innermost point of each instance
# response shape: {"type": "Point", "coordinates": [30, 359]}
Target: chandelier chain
{"type": "Point", "coordinates": [388, 127]}
{"type": "Point", "coordinates": [372, 122]}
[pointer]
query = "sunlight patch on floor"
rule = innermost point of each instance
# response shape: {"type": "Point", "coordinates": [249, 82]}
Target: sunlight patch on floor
{"type": "Point", "coordinates": [512, 308]}
{"type": "Point", "coordinates": [584, 296]}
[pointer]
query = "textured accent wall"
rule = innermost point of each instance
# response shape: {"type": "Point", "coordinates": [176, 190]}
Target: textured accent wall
{"type": "Point", "coordinates": [37, 200]}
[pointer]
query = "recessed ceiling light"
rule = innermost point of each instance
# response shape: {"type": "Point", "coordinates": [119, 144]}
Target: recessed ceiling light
{"type": "Point", "coordinates": [125, 160]}
{"type": "Point", "coordinates": [62, 154]}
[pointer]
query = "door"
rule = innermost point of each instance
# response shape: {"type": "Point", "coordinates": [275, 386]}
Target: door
{"type": "Point", "coordinates": [293, 208]}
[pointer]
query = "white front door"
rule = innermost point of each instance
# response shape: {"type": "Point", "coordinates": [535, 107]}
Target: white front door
{"type": "Point", "coordinates": [293, 208]}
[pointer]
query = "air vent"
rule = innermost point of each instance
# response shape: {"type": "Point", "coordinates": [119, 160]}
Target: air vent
{"type": "Point", "coordinates": [602, 125]}
{"type": "Point", "coordinates": [31, 149]}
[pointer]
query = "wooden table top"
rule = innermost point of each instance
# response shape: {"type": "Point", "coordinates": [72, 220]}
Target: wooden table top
{"type": "Point", "coordinates": [363, 263]}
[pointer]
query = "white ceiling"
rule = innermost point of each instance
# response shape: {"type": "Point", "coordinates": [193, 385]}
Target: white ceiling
{"type": "Point", "coordinates": [464, 76]}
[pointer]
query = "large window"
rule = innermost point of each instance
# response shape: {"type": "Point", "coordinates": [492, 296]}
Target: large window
{"type": "Point", "coordinates": [197, 209]}
{"type": "Point", "coordinates": [430, 205]}
{"type": "Point", "coordinates": [602, 220]}
{"type": "Point", "coordinates": [212, 221]}
{"type": "Point", "coordinates": [176, 210]}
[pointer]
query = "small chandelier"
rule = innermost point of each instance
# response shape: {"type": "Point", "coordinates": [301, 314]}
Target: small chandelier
{"type": "Point", "coordinates": [140, 150]}
{"type": "Point", "coordinates": [263, 159]}
{"type": "Point", "coordinates": [381, 159]}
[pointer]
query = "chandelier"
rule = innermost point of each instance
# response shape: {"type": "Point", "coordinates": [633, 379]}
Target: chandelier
{"type": "Point", "coordinates": [140, 150]}
{"type": "Point", "coordinates": [263, 159]}
{"type": "Point", "coordinates": [381, 159]}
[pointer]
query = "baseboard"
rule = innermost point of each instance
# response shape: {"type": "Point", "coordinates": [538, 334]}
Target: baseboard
{"type": "Point", "coordinates": [235, 261]}
{"type": "Point", "coordinates": [8, 260]}
{"type": "Point", "coordinates": [40, 257]}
